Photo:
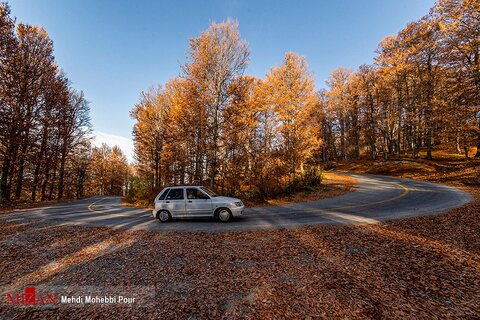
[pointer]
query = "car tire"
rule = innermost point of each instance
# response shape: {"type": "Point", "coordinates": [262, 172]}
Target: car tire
{"type": "Point", "coordinates": [164, 216]}
{"type": "Point", "coordinates": [224, 215]}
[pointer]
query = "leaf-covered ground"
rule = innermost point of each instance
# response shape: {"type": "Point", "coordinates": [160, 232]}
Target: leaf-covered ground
{"type": "Point", "coordinates": [424, 268]}
{"type": "Point", "coordinates": [333, 185]}
{"type": "Point", "coordinates": [446, 168]}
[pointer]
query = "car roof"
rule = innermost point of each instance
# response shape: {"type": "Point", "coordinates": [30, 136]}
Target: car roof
{"type": "Point", "coordinates": [184, 187]}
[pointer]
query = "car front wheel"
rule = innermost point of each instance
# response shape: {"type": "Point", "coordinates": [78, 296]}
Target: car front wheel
{"type": "Point", "coordinates": [164, 216]}
{"type": "Point", "coordinates": [224, 215]}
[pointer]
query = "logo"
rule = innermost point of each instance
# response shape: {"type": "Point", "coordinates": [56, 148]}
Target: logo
{"type": "Point", "coordinates": [31, 297]}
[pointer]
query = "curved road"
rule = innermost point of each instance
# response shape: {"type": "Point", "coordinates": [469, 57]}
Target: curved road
{"type": "Point", "coordinates": [376, 198]}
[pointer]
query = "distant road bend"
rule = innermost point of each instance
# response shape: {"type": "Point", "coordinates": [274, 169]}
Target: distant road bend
{"type": "Point", "coordinates": [376, 198]}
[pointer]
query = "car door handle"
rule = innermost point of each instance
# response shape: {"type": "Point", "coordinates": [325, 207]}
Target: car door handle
{"type": "Point", "coordinates": [167, 201]}
{"type": "Point", "coordinates": [190, 201]}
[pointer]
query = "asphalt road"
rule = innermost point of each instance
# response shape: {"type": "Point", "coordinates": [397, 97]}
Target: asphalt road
{"type": "Point", "coordinates": [376, 198]}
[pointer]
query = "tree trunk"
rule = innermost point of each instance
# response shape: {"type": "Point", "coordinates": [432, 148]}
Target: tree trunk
{"type": "Point", "coordinates": [81, 183]}
{"type": "Point", "coordinates": [4, 186]}
{"type": "Point", "coordinates": [52, 187]}
{"type": "Point", "coordinates": [477, 154]}
{"type": "Point", "coordinates": [18, 188]}
{"type": "Point", "coordinates": [21, 167]}
{"type": "Point", "coordinates": [7, 172]}
{"type": "Point", "coordinates": [429, 143]}
{"type": "Point", "coordinates": [356, 146]}
{"type": "Point", "coordinates": [36, 175]}
{"type": "Point", "coordinates": [40, 159]}
{"type": "Point", "coordinates": [61, 176]}
{"type": "Point", "coordinates": [373, 148]}
{"type": "Point", "coordinates": [397, 145]}
{"type": "Point", "coordinates": [457, 143]}
{"type": "Point", "coordinates": [214, 156]}
{"type": "Point", "coordinates": [43, 192]}
{"type": "Point", "coordinates": [342, 140]}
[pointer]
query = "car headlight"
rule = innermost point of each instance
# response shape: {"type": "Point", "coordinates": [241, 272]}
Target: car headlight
{"type": "Point", "coordinates": [238, 203]}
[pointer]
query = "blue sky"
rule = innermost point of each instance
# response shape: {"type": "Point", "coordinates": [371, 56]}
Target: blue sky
{"type": "Point", "coordinates": [112, 50]}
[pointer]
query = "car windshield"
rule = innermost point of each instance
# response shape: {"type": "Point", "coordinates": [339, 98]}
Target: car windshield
{"type": "Point", "coordinates": [209, 192]}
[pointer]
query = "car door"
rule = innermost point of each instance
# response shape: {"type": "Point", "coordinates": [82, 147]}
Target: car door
{"type": "Point", "coordinates": [175, 202]}
{"type": "Point", "coordinates": [198, 203]}
{"type": "Point", "coordinates": [160, 199]}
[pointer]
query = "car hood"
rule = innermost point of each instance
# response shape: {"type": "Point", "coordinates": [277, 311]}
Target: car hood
{"type": "Point", "coordinates": [224, 199]}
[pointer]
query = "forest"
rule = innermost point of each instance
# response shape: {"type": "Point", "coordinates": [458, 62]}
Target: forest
{"type": "Point", "coordinates": [45, 132]}
{"type": "Point", "coordinates": [239, 134]}
{"type": "Point", "coordinates": [259, 137]}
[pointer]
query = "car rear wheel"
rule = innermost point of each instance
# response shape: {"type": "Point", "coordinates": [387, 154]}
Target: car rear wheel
{"type": "Point", "coordinates": [164, 216]}
{"type": "Point", "coordinates": [224, 215]}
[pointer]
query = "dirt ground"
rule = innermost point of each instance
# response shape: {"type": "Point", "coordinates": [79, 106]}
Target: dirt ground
{"type": "Point", "coordinates": [423, 268]}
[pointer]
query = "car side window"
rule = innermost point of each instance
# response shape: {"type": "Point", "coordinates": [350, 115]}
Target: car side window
{"type": "Point", "coordinates": [164, 194]}
{"type": "Point", "coordinates": [175, 194]}
{"type": "Point", "coordinates": [194, 193]}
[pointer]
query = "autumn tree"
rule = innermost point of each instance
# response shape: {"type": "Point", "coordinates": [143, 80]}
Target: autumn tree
{"type": "Point", "coordinates": [290, 90]}
{"type": "Point", "coordinates": [109, 170]}
{"type": "Point", "coordinates": [244, 134]}
{"type": "Point", "coordinates": [216, 57]}
{"type": "Point", "coordinates": [43, 121]}
{"type": "Point", "coordinates": [339, 106]}
{"type": "Point", "coordinates": [9, 116]}
{"type": "Point", "coordinates": [149, 133]}
{"type": "Point", "coordinates": [367, 79]}
{"type": "Point", "coordinates": [459, 29]}
{"type": "Point", "coordinates": [242, 121]}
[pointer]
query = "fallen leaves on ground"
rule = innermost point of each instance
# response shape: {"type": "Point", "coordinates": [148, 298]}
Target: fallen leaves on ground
{"type": "Point", "coordinates": [445, 168]}
{"type": "Point", "coordinates": [333, 185]}
{"type": "Point", "coordinates": [423, 267]}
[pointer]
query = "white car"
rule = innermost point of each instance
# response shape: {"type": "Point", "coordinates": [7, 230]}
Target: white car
{"type": "Point", "coordinates": [195, 201]}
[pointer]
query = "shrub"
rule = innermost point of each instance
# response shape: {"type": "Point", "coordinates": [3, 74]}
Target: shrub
{"type": "Point", "coordinates": [308, 180]}
{"type": "Point", "coordinates": [140, 192]}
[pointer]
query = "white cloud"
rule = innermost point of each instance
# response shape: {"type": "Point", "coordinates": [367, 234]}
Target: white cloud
{"type": "Point", "coordinates": [125, 144]}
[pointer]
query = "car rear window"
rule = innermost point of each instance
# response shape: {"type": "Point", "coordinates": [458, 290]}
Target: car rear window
{"type": "Point", "coordinates": [175, 194]}
{"type": "Point", "coordinates": [164, 194]}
